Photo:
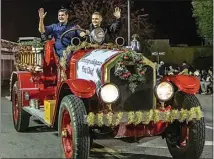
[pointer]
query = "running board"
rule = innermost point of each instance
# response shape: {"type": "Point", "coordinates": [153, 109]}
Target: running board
{"type": "Point", "coordinates": [38, 113]}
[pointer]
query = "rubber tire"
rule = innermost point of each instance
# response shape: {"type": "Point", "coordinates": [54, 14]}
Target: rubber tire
{"type": "Point", "coordinates": [91, 140]}
{"type": "Point", "coordinates": [196, 142]}
{"type": "Point", "coordinates": [76, 109]}
{"type": "Point", "coordinates": [23, 117]}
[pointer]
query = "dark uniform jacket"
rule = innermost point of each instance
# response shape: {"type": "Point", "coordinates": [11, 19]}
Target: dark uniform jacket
{"type": "Point", "coordinates": [111, 30]}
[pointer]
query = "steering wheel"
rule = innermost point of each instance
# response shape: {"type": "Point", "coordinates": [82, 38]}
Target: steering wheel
{"type": "Point", "coordinates": [68, 31]}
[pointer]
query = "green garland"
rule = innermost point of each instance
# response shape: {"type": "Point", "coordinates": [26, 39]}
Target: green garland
{"type": "Point", "coordinates": [86, 45]}
{"type": "Point", "coordinates": [143, 117]}
{"type": "Point", "coordinates": [35, 43]}
{"type": "Point", "coordinates": [134, 76]}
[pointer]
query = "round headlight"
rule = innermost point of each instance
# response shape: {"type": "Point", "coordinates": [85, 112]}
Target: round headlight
{"type": "Point", "coordinates": [164, 91]}
{"type": "Point", "coordinates": [97, 35]}
{"type": "Point", "coordinates": [109, 93]}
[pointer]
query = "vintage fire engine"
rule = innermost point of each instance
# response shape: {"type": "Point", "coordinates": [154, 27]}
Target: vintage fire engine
{"type": "Point", "coordinates": [104, 89]}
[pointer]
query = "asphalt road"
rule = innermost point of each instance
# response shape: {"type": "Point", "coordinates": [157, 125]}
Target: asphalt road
{"type": "Point", "coordinates": [42, 142]}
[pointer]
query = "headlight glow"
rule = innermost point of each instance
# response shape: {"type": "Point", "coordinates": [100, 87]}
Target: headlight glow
{"type": "Point", "coordinates": [164, 91]}
{"type": "Point", "coordinates": [109, 93]}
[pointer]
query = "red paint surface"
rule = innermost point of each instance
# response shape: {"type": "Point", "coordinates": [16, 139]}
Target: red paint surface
{"type": "Point", "coordinates": [73, 63]}
{"type": "Point", "coordinates": [80, 87]}
{"type": "Point", "coordinates": [185, 83]}
{"type": "Point", "coordinates": [49, 51]}
{"type": "Point", "coordinates": [36, 90]}
{"type": "Point", "coordinates": [152, 129]}
{"type": "Point", "coordinates": [67, 140]}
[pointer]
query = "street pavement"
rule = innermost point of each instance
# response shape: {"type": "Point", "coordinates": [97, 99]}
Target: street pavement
{"type": "Point", "coordinates": [42, 142]}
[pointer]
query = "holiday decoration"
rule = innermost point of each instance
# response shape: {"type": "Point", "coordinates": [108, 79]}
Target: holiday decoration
{"type": "Point", "coordinates": [130, 67]}
{"type": "Point", "coordinates": [144, 117]}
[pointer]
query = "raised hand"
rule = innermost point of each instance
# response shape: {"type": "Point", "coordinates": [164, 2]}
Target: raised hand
{"type": "Point", "coordinates": [41, 13]}
{"type": "Point", "coordinates": [117, 12]}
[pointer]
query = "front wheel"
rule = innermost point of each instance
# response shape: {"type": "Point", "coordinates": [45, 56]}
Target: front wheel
{"type": "Point", "coordinates": [73, 132]}
{"type": "Point", "coordinates": [186, 140]}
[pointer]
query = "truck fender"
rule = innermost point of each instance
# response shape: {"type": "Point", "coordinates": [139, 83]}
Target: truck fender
{"type": "Point", "coordinates": [80, 87]}
{"type": "Point", "coordinates": [185, 83]}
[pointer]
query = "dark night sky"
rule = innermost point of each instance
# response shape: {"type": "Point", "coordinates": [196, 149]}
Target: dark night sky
{"type": "Point", "coordinates": [172, 19]}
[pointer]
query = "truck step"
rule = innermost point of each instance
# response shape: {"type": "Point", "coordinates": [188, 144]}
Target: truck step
{"type": "Point", "coordinates": [38, 113]}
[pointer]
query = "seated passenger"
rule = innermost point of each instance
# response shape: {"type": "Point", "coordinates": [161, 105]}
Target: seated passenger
{"type": "Point", "coordinates": [56, 30]}
{"type": "Point", "coordinates": [109, 30]}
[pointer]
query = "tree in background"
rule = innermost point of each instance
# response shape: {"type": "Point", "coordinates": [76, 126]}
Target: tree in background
{"type": "Point", "coordinates": [83, 9]}
{"type": "Point", "coordinates": [203, 12]}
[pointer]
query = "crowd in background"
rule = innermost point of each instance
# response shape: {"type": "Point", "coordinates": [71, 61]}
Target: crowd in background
{"type": "Point", "coordinates": [205, 75]}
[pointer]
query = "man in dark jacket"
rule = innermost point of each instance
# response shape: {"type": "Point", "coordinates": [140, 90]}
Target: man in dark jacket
{"type": "Point", "coordinates": [110, 30]}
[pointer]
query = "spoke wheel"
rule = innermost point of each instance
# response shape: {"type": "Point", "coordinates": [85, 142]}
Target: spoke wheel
{"type": "Point", "coordinates": [67, 138]}
{"type": "Point", "coordinates": [184, 140]}
{"type": "Point", "coordinates": [73, 131]}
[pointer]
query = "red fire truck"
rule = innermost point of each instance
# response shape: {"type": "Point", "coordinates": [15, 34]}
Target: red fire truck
{"type": "Point", "coordinates": [104, 88]}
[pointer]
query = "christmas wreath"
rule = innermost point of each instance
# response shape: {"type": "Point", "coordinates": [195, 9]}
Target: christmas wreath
{"type": "Point", "coordinates": [131, 67]}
